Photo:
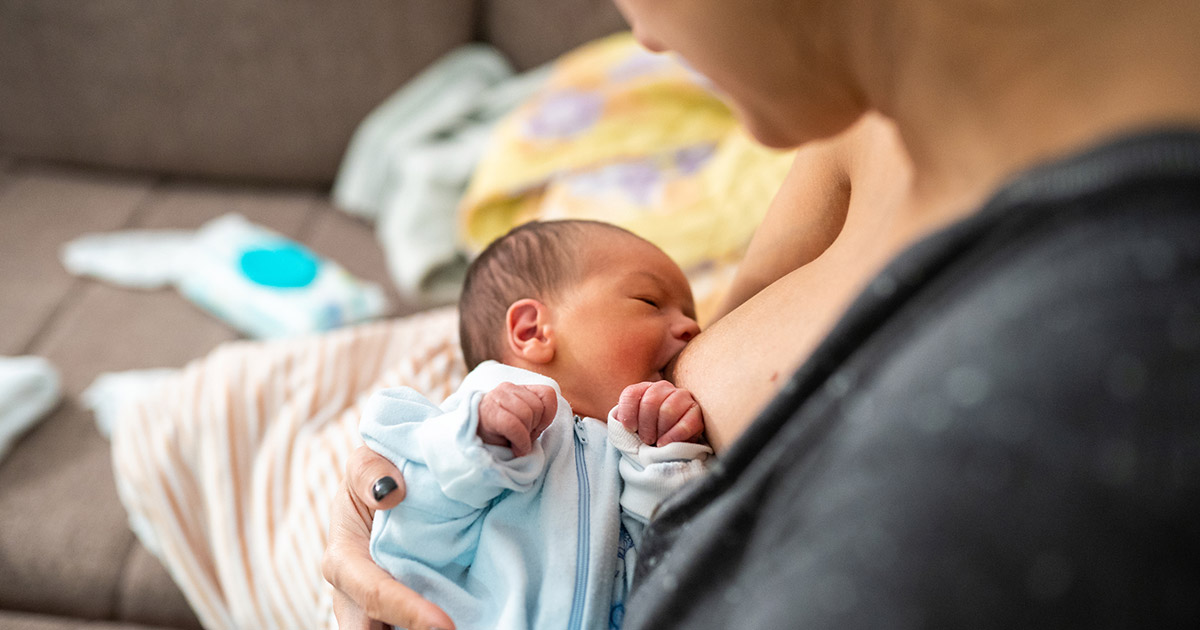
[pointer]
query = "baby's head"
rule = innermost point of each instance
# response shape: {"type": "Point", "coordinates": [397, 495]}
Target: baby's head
{"type": "Point", "coordinates": [586, 303]}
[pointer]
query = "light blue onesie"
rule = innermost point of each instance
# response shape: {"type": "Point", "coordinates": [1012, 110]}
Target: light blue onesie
{"type": "Point", "coordinates": [535, 542]}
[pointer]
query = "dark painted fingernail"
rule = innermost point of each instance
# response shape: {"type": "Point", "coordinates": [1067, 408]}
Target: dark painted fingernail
{"type": "Point", "coordinates": [383, 487]}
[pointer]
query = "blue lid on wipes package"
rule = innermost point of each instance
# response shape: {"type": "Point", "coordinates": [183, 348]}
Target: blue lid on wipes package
{"type": "Point", "coordinates": [283, 265]}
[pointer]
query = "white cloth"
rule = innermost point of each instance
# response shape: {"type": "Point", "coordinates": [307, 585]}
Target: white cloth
{"type": "Point", "coordinates": [29, 388]}
{"type": "Point", "coordinates": [138, 259]}
{"type": "Point", "coordinates": [410, 160]}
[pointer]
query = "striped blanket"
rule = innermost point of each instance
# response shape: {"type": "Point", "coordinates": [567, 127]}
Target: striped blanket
{"type": "Point", "coordinates": [227, 467]}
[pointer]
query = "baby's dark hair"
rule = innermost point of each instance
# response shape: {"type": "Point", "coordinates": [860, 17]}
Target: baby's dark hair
{"type": "Point", "coordinates": [534, 260]}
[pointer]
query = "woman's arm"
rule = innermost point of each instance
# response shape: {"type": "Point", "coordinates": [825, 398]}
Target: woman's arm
{"type": "Point", "coordinates": [738, 363]}
{"type": "Point", "coordinates": [804, 218]}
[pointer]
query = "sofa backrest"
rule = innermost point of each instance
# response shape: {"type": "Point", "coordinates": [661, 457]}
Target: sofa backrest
{"type": "Point", "coordinates": [531, 32]}
{"type": "Point", "coordinates": [241, 89]}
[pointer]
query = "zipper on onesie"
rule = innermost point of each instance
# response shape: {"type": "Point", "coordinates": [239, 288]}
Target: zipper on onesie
{"type": "Point", "coordinates": [581, 559]}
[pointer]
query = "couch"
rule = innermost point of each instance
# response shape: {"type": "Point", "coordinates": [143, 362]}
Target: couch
{"type": "Point", "coordinates": [120, 114]}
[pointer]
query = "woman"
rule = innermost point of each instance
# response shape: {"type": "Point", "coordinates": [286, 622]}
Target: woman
{"type": "Point", "coordinates": [993, 422]}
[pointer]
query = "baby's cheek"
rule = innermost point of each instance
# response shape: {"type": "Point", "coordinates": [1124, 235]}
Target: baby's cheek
{"type": "Point", "coordinates": [634, 354]}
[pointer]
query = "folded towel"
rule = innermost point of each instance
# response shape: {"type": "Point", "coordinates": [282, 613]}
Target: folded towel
{"type": "Point", "coordinates": [29, 388]}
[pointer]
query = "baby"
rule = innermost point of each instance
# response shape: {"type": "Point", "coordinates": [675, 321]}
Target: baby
{"type": "Point", "coordinates": [524, 506]}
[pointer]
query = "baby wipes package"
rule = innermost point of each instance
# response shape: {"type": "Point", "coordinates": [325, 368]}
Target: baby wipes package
{"type": "Point", "coordinates": [270, 286]}
{"type": "Point", "coordinates": [262, 283]}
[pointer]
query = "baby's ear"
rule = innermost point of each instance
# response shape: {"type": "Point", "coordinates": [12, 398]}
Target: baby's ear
{"type": "Point", "coordinates": [527, 331]}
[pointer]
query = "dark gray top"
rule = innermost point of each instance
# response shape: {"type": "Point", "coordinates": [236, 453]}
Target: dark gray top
{"type": "Point", "coordinates": [1003, 431]}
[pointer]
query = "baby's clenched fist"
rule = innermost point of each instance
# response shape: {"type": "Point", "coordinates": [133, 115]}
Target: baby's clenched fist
{"type": "Point", "coordinates": [660, 413]}
{"type": "Point", "coordinates": [515, 415]}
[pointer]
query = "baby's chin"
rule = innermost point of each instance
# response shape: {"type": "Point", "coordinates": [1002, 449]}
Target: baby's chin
{"type": "Point", "coordinates": [668, 371]}
{"type": "Point", "coordinates": [596, 405]}
{"type": "Point", "coordinates": [595, 413]}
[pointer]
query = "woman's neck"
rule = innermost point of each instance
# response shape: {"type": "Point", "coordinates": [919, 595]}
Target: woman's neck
{"type": "Point", "coordinates": [996, 98]}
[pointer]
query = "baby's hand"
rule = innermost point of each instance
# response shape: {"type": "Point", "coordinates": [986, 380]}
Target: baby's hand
{"type": "Point", "coordinates": [660, 413]}
{"type": "Point", "coordinates": [515, 415]}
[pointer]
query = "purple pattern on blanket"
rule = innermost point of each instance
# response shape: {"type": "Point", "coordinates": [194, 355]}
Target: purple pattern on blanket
{"type": "Point", "coordinates": [564, 114]}
{"type": "Point", "coordinates": [691, 159]}
{"type": "Point", "coordinates": [639, 64]}
{"type": "Point", "coordinates": [639, 180]}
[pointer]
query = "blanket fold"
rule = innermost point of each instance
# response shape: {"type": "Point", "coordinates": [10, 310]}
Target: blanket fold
{"type": "Point", "coordinates": [227, 466]}
{"type": "Point", "coordinates": [30, 387]}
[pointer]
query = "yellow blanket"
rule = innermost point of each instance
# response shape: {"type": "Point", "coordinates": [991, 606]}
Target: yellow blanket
{"type": "Point", "coordinates": [623, 135]}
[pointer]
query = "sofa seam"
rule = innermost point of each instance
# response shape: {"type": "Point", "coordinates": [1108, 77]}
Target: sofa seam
{"type": "Point", "coordinates": [74, 293]}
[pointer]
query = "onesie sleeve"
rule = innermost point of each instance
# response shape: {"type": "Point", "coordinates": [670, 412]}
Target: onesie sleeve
{"type": "Point", "coordinates": [442, 443]}
{"type": "Point", "coordinates": [451, 477]}
{"type": "Point", "coordinates": [652, 473]}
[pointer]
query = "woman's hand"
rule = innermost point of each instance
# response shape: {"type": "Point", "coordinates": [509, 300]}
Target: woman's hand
{"type": "Point", "coordinates": [365, 596]}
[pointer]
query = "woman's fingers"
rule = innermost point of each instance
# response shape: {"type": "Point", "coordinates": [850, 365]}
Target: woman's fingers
{"type": "Point", "coordinates": [363, 591]}
{"type": "Point", "coordinates": [350, 616]}
{"type": "Point", "coordinates": [375, 481]}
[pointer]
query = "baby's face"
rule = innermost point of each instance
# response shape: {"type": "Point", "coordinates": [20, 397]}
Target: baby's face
{"type": "Point", "coordinates": [629, 315]}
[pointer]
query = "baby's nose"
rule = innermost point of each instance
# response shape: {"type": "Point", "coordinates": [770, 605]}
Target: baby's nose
{"type": "Point", "coordinates": [686, 329]}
